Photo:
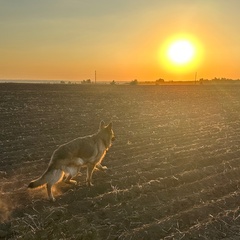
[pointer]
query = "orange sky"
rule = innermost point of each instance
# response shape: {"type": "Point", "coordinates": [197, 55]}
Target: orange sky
{"type": "Point", "coordinates": [121, 40]}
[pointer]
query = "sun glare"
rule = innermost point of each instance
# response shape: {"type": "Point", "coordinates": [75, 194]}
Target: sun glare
{"type": "Point", "coordinates": [181, 52]}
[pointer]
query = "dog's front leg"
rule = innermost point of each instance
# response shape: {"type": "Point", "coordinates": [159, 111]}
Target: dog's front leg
{"type": "Point", "coordinates": [90, 168]}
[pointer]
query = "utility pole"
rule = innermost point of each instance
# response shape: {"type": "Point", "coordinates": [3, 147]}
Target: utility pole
{"type": "Point", "coordinates": [195, 77]}
{"type": "Point", "coordinates": [95, 76]}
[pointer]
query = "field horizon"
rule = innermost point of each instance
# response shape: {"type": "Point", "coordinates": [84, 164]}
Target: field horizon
{"type": "Point", "coordinates": [223, 81]}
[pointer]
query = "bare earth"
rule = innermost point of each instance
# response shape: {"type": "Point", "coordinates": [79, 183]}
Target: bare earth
{"type": "Point", "coordinates": [173, 171]}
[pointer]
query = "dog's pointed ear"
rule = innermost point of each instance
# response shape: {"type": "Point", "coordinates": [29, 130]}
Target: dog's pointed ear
{"type": "Point", "coordinates": [109, 125]}
{"type": "Point", "coordinates": [101, 125]}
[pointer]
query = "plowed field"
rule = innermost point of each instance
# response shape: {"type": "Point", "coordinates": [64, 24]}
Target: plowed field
{"type": "Point", "coordinates": [173, 171]}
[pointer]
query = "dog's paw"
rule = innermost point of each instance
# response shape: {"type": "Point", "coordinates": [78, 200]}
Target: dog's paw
{"type": "Point", "coordinates": [89, 184]}
{"type": "Point", "coordinates": [52, 199]}
{"type": "Point", "coordinates": [104, 168]}
{"type": "Point", "coordinates": [101, 168]}
{"type": "Point", "coordinates": [71, 182]}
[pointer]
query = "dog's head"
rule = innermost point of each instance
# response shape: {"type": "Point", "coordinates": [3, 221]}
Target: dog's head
{"type": "Point", "coordinates": [107, 133]}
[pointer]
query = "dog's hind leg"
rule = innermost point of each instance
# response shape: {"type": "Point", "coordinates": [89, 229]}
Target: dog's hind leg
{"type": "Point", "coordinates": [50, 194]}
{"type": "Point", "coordinates": [55, 176]}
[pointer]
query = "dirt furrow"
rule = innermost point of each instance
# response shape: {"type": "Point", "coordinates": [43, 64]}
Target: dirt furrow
{"type": "Point", "coordinates": [182, 221]}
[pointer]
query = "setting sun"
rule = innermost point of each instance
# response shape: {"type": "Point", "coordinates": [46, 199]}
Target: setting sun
{"type": "Point", "coordinates": [181, 52]}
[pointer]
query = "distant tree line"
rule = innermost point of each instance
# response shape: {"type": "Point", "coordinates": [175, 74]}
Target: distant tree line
{"type": "Point", "coordinates": [134, 82]}
{"type": "Point", "coordinates": [88, 81]}
{"type": "Point", "coordinates": [161, 81]}
{"type": "Point", "coordinates": [219, 80]}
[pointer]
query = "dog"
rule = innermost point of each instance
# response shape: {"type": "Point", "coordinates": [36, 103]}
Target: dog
{"type": "Point", "coordinates": [68, 158]}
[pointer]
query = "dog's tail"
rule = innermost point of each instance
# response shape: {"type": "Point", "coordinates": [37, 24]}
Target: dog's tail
{"type": "Point", "coordinates": [50, 176]}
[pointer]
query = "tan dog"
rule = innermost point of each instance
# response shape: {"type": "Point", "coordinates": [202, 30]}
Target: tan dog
{"type": "Point", "coordinates": [68, 158]}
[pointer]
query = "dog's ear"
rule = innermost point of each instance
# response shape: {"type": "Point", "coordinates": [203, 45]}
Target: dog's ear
{"type": "Point", "coordinates": [101, 125]}
{"type": "Point", "coordinates": [109, 126]}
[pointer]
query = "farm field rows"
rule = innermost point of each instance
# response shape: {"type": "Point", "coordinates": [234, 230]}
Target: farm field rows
{"type": "Point", "coordinates": [173, 171]}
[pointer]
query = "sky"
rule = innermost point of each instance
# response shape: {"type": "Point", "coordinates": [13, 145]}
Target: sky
{"type": "Point", "coordinates": [121, 40]}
